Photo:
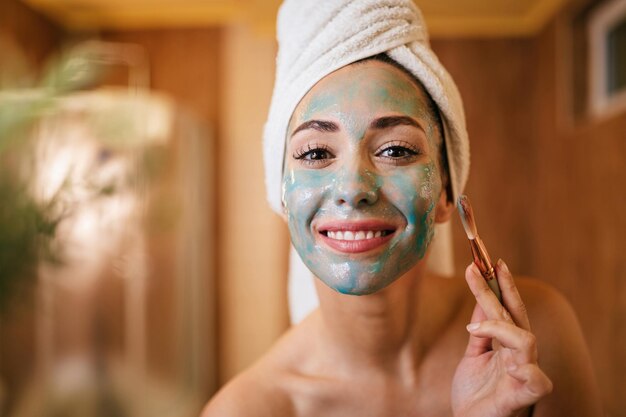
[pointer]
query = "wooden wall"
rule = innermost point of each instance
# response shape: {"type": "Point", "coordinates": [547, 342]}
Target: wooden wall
{"type": "Point", "coordinates": [548, 189]}
{"type": "Point", "coordinates": [578, 216]}
{"type": "Point", "coordinates": [184, 64]}
{"type": "Point", "coordinates": [496, 78]}
{"type": "Point", "coordinates": [253, 240]}
{"type": "Point", "coordinates": [35, 35]}
{"type": "Point", "coordinates": [225, 76]}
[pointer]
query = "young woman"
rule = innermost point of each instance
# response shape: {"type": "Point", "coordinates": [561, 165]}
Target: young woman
{"type": "Point", "coordinates": [366, 176]}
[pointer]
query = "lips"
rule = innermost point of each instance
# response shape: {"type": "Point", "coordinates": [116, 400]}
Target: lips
{"type": "Point", "coordinates": [355, 237]}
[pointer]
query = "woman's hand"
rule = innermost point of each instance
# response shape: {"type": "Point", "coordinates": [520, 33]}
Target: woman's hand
{"type": "Point", "coordinates": [498, 375]}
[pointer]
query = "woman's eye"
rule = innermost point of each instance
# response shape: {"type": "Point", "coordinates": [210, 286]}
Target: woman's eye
{"type": "Point", "coordinates": [314, 155]}
{"type": "Point", "coordinates": [397, 152]}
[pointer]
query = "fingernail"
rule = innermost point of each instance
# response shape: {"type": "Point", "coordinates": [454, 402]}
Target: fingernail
{"type": "Point", "coordinates": [502, 266]}
{"type": "Point", "coordinates": [511, 367]}
{"type": "Point", "coordinates": [472, 326]}
{"type": "Point", "coordinates": [475, 270]}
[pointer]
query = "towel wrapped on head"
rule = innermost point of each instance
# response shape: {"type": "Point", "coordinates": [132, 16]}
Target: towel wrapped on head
{"type": "Point", "coordinates": [317, 37]}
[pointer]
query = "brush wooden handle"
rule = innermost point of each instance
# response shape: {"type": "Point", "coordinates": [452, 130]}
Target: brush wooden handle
{"type": "Point", "coordinates": [492, 281]}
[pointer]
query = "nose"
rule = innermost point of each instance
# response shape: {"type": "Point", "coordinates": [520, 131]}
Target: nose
{"type": "Point", "coordinates": [356, 188]}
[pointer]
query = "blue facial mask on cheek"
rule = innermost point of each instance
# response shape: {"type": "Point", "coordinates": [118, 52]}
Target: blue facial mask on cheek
{"type": "Point", "coordinates": [405, 196]}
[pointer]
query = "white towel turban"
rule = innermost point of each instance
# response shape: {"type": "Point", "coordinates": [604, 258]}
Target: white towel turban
{"type": "Point", "coordinates": [317, 37]}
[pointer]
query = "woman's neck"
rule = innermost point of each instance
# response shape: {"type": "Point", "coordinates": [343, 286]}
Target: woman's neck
{"type": "Point", "coordinates": [387, 330]}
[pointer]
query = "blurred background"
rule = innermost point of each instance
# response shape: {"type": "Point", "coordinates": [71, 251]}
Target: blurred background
{"type": "Point", "coordinates": [140, 267]}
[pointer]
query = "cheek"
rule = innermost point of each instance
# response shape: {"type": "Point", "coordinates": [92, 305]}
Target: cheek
{"type": "Point", "coordinates": [414, 190]}
{"type": "Point", "coordinates": [303, 192]}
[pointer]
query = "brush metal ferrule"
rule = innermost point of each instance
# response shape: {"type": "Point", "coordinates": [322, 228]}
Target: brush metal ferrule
{"type": "Point", "coordinates": [483, 261]}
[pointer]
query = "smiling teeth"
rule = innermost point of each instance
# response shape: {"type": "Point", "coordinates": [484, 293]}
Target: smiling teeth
{"type": "Point", "coordinates": [358, 235]}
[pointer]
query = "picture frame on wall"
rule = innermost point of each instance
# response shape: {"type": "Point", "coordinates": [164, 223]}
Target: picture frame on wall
{"type": "Point", "coordinates": [607, 59]}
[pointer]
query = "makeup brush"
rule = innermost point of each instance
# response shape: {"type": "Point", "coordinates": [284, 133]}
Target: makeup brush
{"type": "Point", "coordinates": [479, 251]}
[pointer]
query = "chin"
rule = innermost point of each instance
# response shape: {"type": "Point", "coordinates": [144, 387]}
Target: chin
{"type": "Point", "coordinates": [358, 291]}
{"type": "Point", "coordinates": [367, 287]}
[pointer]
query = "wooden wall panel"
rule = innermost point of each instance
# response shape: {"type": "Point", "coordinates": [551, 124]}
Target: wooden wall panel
{"type": "Point", "coordinates": [495, 78]}
{"type": "Point", "coordinates": [35, 35]}
{"type": "Point", "coordinates": [578, 217]}
{"type": "Point", "coordinates": [549, 196]}
{"type": "Point", "coordinates": [225, 76]}
{"type": "Point", "coordinates": [184, 64]}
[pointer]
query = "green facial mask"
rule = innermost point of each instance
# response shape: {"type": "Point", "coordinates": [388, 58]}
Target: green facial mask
{"type": "Point", "coordinates": [365, 186]}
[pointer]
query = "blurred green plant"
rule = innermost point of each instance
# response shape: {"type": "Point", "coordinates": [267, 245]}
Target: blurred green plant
{"type": "Point", "coordinates": [26, 230]}
{"type": "Point", "coordinates": [27, 226]}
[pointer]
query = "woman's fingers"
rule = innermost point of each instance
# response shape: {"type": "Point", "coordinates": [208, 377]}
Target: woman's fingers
{"type": "Point", "coordinates": [484, 296]}
{"type": "Point", "coordinates": [520, 341]}
{"type": "Point", "coordinates": [508, 326]}
{"type": "Point", "coordinates": [536, 383]}
{"type": "Point", "coordinates": [510, 296]}
{"type": "Point", "coordinates": [477, 345]}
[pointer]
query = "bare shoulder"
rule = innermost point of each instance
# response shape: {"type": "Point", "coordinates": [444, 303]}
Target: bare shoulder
{"type": "Point", "coordinates": [265, 389]}
{"type": "Point", "coordinates": [563, 353]}
{"type": "Point", "coordinates": [544, 304]}
{"type": "Point", "coordinates": [250, 394]}
{"type": "Point", "coordinates": [552, 318]}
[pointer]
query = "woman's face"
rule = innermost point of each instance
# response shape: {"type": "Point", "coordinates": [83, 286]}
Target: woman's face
{"type": "Point", "coordinates": [362, 181]}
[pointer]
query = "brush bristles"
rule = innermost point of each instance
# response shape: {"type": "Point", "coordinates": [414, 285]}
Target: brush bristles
{"type": "Point", "coordinates": [467, 217]}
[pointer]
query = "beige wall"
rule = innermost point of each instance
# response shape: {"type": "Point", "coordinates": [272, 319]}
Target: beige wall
{"type": "Point", "coordinates": [252, 240]}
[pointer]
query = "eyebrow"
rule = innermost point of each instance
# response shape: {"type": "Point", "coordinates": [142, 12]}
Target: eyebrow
{"type": "Point", "coordinates": [391, 121]}
{"type": "Point", "coordinates": [380, 123]}
{"type": "Point", "coordinates": [319, 125]}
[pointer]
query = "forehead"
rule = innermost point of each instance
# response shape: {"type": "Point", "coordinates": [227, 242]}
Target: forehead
{"type": "Point", "coordinates": [371, 88]}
